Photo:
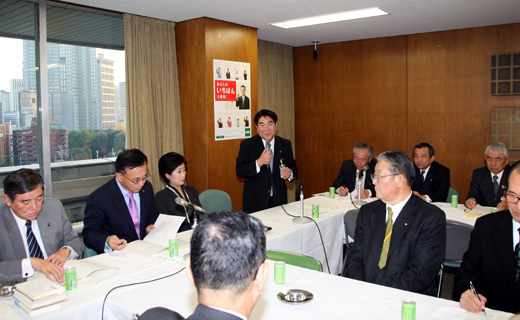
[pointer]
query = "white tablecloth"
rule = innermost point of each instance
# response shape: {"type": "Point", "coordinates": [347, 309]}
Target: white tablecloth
{"type": "Point", "coordinates": [458, 214]}
{"type": "Point", "coordinates": [334, 298]}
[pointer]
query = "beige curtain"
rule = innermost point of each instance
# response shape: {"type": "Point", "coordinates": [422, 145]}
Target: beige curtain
{"type": "Point", "coordinates": [152, 84]}
{"type": "Point", "coordinates": [276, 90]}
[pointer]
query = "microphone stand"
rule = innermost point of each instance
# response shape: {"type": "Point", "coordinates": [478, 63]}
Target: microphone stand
{"type": "Point", "coordinates": [301, 218]}
{"type": "Point", "coordinates": [359, 202]}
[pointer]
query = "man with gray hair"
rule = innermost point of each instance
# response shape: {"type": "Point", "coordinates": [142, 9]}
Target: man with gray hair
{"type": "Point", "coordinates": [488, 183]}
{"type": "Point", "coordinates": [400, 239]}
{"type": "Point", "coordinates": [360, 168]}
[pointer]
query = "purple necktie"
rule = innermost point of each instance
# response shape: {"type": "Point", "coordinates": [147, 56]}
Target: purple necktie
{"type": "Point", "coordinates": [134, 213]}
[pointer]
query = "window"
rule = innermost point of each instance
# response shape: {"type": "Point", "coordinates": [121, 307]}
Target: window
{"type": "Point", "coordinates": [86, 92]}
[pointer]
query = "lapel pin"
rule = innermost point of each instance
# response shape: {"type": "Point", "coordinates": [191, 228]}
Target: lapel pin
{"type": "Point", "coordinates": [406, 224]}
{"type": "Point", "coordinates": [49, 224]}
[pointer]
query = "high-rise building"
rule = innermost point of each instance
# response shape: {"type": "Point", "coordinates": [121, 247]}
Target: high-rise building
{"type": "Point", "coordinates": [108, 98]}
{"type": "Point", "coordinates": [4, 103]}
{"type": "Point", "coordinates": [26, 142]}
{"type": "Point", "coordinates": [71, 70]}
{"type": "Point", "coordinates": [121, 114]}
{"type": "Point", "coordinates": [5, 145]}
{"type": "Point", "coordinates": [28, 106]}
{"type": "Point", "coordinates": [12, 118]}
{"type": "Point", "coordinates": [16, 88]}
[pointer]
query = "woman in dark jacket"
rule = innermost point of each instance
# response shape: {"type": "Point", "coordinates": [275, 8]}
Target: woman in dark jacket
{"type": "Point", "coordinates": [172, 169]}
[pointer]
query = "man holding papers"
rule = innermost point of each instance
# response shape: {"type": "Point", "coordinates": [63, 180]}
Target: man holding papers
{"type": "Point", "coordinates": [35, 233]}
{"type": "Point", "coordinates": [123, 209]}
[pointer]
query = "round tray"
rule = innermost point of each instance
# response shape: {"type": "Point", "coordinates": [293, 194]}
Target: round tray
{"type": "Point", "coordinates": [295, 296]}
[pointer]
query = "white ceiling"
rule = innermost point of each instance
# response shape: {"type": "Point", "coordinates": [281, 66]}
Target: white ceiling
{"type": "Point", "coordinates": [406, 16]}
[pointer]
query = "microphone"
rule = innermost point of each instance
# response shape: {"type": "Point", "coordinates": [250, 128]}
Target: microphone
{"type": "Point", "coordinates": [268, 146]}
{"type": "Point", "coordinates": [182, 202]}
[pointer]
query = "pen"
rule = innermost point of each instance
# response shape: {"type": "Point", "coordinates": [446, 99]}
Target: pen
{"type": "Point", "coordinates": [476, 293]}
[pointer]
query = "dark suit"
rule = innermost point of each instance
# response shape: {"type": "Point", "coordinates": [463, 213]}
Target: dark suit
{"type": "Point", "coordinates": [257, 186]}
{"type": "Point", "coordinates": [347, 176]}
{"type": "Point", "coordinates": [481, 188]}
{"type": "Point", "coordinates": [436, 183]}
{"type": "Point", "coordinates": [490, 263]}
{"type": "Point", "coordinates": [160, 313]}
{"type": "Point", "coordinates": [246, 102]}
{"type": "Point", "coordinates": [106, 214]}
{"type": "Point", "coordinates": [207, 313]}
{"type": "Point", "coordinates": [165, 201]}
{"type": "Point", "coordinates": [417, 246]}
{"type": "Point", "coordinates": [56, 232]}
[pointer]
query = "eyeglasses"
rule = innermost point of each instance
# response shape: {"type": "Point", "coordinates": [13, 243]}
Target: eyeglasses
{"type": "Point", "coordinates": [511, 198]}
{"type": "Point", "coordinates": [376, 178]}
{"type": "Point", "coordinates": [136, 180]}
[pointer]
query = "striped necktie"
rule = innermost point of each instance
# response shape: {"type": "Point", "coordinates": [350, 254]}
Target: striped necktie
{"type": "Point", "coordinates": [386, 242]}
{"type": "Point", "coordinates": [34, 247]}
{"type": "Point", "coordinates": [517, 255]}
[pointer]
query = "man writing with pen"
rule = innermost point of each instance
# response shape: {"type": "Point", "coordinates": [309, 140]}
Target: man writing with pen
{"type": "Point", "coordinates": [492, 262]}
{"type": "Point", "coordinates": [357, 170]}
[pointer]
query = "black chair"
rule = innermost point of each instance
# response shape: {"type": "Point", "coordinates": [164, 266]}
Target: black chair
{"type": "Point", "coordinates": [457, 241]}
{"type": "Point", "coordinates": [349, 220]}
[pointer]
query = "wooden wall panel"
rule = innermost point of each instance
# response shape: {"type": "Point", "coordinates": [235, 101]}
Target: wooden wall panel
{"type": "Point", "coordinates": [396, 92]}
{"type": "Point", "coordinates": [211, 163]}
{"type": "Point", "coordinates": [449, 100]}
{"type": "Point", "coordinates": [190, 56]}
{"type": "Point", "coordinates": [355, 91]}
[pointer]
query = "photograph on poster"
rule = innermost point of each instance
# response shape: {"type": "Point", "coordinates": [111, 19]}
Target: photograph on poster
{"type": "Point", "coordinates": [232, 99]}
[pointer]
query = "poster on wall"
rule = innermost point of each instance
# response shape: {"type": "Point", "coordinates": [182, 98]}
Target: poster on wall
{"type": "Point", "coordinates": [232, 99]}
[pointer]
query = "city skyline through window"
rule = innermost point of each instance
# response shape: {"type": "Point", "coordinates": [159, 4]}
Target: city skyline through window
{"type": "Point", "coordinates": [87, 102]}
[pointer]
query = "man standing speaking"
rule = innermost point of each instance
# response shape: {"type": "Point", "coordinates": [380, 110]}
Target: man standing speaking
{"type": "Point", "coordinates": [265, 161]}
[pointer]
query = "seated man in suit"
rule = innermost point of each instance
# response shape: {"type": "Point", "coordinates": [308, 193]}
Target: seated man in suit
{"type": "Point", "coordinates": [408, 252]}
{"type": "Point", "coordinates": [360, 167]}
{"type": "Point", "coordinates": [489, 183]}
{"type": "Point", "coordinates": [432, 181]}
{"type": "Point", "coordinates": [492, 262]}
{"type": "Point", "coordinates": [35, 233]}
{"type": "Point", "coordinates": [123, 209]}
{"type": "Point", "coordinates": [226, 265]}
{"type": "Point", "coordinates": [259, 162]}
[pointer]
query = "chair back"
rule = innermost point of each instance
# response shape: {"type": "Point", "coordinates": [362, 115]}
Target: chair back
{"type": "Point", "coordinates": [349, 219]}
{"type": "Point", "coordinates": [457, 240]}
{"type": "Point", "coordinates": [452, 192]}
{"type": "Point", "coordinates": [295, 259]}
{"type": "Point", "coordinates": [215, 200]}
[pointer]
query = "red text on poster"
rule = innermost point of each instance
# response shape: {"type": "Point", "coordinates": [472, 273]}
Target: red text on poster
{"type": "Point", "coordinates": [225, 90]}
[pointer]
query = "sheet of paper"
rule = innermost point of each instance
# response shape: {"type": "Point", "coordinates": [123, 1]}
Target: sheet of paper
{"type": "Point", "coordinates": [144, 248]}
{"type": "Point", "coordinates": [85, 267]}
{"type": "Point", "coordinates": [166, 228]}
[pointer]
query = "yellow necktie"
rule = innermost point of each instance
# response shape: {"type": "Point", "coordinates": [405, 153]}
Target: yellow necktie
{"type": "Point", "coordinates": [386, 242]}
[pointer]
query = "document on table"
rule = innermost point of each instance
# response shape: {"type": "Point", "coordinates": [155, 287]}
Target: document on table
{"type": "Point", "coordinates": [166, 228]}
{"type": "Point", "coordinates": [89, 271]}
